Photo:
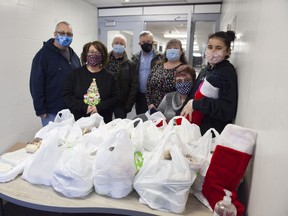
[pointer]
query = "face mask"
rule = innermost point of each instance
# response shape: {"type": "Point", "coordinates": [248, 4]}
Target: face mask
{"type": "Point", "coordinates": [214, 57]}
{"type": "Point", "coordinates": [118, 49]}
{"type": "Point", "coordinates": [64, 40]}
{"type": "Point", "coordinates": [94, 60]}
{"type": "Point", "coordinates": [184, 88]}
{"type": "Point", "coordinates": [172, 54]}
{"type": "Point", "coordinates": [146, 47]}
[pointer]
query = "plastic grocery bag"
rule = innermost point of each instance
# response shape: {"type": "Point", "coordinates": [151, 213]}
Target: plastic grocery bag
{"type": "Point", "coordinates": [185, 130]}
{"type": "Point", "coordinates": [114, 169]}
{"type": "Point", "coordinates": [152, 135]}
{"type": "Point", "coordinates": [40, 167]}
{"type": "Point", "coordinates": [12, 164]}
{"type": "Point", "coordinates": [73, 172]}
{"type": "Point", "coordinates": [63, 117]}
{"type": "Point", "coordinates": [164, 181]}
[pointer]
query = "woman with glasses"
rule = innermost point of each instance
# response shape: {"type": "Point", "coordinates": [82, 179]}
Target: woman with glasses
{"type": "Point", "coordinates": [91, 88]}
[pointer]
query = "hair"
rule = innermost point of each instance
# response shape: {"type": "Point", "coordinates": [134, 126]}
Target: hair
{"type": "Point", "coordinates": [100, 47]}
{"type": "Point", "coordinates": [64, 23]}
{"type": "Point", "coordinates": [185, 69]}
{"type": "Point", "coordinates": [168, 45]}
{"type": "Point", "coordinates": [145, 33]}
{"type": "Point", "coordinates": [226, 37]}
{"type": "Point", "coordinates": [120, 36]}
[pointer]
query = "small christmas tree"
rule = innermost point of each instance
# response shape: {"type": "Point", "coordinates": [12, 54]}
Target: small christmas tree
{"type": "Point", "coordinates": [92, 98]}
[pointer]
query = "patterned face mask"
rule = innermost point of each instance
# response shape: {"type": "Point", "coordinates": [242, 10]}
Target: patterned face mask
{"type": "Point", "coordinates": [184, 88]}
{"type": "Point", "coordinates": [94, 60]}
{"type": "Point", "coordinates": [64, 41]}
{"type": "Point", "coordinates": [214, 57]}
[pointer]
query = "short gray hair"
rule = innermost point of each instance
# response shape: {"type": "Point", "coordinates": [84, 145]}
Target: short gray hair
{"type": "Point", "coordinates": [120, 36]}
{"type": "Point", "coordinates": [144, 33]}
{"type": "Point", "coordinates": [62, 22]}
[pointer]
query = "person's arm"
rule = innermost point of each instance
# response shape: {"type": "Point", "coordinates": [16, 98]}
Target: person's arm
{"type": "Point", "coordinates": [69, 94]}
{"type": "Point", "coordinates": [150, 91]}
{"type": "Point", "coordinates": [37, 84]}
{"type": "Point", "coordinates": [133, 83]}
{"type": "Point", "coordinates": [113, 91]}
{"type": "Point", "coordinates": [223, 108]}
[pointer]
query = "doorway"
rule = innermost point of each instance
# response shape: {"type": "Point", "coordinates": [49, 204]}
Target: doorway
{"type": "Point", "coordinates": [192, 29]}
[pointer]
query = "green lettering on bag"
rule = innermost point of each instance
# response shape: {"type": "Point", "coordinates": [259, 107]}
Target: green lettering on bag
{"type": "Point", "coordinates": [138, 160]}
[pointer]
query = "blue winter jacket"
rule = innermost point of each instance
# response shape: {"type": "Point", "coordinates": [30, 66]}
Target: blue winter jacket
{"type": "Point", "coordinates": [48, 74]}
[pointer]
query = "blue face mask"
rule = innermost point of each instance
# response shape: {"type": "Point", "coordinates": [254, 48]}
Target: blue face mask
{"type": "Point", "coordinates": [118, 49]}
{"type": "Point", "coordinates": [64, 40]}
{"type": "Point", "coordinates": [172, 54]}
{"type": "Point", "coordinates": [184, 88]}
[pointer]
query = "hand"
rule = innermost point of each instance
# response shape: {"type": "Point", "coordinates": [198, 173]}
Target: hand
{"type": "Point", "coordinates": [43, 116]}
{"type": "Point", "coordinates": [187, 110]}
{"type": "Point", "coordinates": [151, 106]}
{"type": "Point", "coordinates": [92, 110]}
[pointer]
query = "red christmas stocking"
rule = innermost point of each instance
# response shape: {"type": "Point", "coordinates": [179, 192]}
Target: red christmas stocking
{"type": "Point", "coordinates": [227, 168]}
{"type": "Point", "coordinates": [197, 116]}
{"type": "Point", "coordinates": [228, 165]}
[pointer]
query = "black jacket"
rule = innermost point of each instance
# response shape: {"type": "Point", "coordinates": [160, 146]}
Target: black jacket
{"type": "Point", "coordinates": [222, 111]}
{"type": "Point", "coordinates": [128, 83]}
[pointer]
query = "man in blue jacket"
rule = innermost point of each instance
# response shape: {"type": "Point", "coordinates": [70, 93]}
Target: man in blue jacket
{"type": "Point", "coordinates": [50, 67]}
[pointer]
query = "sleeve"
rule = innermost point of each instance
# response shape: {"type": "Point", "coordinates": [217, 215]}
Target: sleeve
{"type": "Point", "coordinates": [69, 95]}
{"type": "Point", "coordinates": [37, 84]}
{"type": "Point", "coordinates": [163, 104]}
{"type": "Point", "coordinates": [133, 82]}
{"type": "Point", "coordinates": [224, 108]}
{"type": "Point", "coordinates": [111, 101]}
{"type": "Point", "coordinates": [150, 91]}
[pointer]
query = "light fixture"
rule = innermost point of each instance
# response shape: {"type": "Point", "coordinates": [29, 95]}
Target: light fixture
{"type": "Point", "coordinates": [175, 35]}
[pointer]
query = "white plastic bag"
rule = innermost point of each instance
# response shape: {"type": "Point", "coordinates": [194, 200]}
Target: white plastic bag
{"type": "Point", "coordinates": [63, 117]}
{"type": "Point", "coordinates": [73, 172]}
{"type": "Point", "coordinates": [12, 164]}
{"type": "Point", "coordinates": [114, 169]}
{"type": "Point", "coordinates": [164, 184]}
{"type": "Point", "coordinates": [185, 130]}
{"type": "Point", "coordinates": [152, 135]}
{"type": "Point", "coordinates": [40, 167]}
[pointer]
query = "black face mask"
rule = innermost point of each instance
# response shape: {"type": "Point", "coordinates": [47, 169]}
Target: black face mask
{"type": "Point", "coordinates": [146, 47]}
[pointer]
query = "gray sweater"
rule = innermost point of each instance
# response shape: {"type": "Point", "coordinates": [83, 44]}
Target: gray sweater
{"type": "Point", "coordinates": [170, 104]}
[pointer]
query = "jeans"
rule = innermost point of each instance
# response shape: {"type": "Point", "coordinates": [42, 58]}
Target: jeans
{"type": "Point", "coordinates": [47, 119]}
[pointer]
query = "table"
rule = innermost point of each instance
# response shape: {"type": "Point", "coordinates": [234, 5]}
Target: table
{"type": "Point", "coordinates": [40, 197]}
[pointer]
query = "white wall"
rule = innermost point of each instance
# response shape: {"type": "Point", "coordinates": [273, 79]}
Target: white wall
{"type": "Point", "coordinates": [25, 24]}
{"type": "Point", "coordinates": [260, 56]}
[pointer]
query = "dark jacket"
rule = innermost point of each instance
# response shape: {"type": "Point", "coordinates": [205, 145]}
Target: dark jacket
{"type": "Point", "coordinates": [222, 111]}
{"type": "Point", "coordinates": [76, 87]}
{"type": "Point", "coordinates": [157, 56]}
{"type": "Point", "coordinates": [128, 83]}
{"type": "Point", "coordinates": [48, 73]}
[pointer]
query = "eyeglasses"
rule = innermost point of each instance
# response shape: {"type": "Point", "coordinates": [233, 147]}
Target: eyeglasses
{"type": "Point", "coordinates": [94, 53]}
{"type": "Point", "coordinates": [62, 33]}
{"type": "Point", "coordinates": [183, 80]}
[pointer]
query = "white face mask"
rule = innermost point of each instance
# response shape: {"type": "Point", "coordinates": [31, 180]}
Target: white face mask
{"type": "Point", "coordinates": [214, 57]}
